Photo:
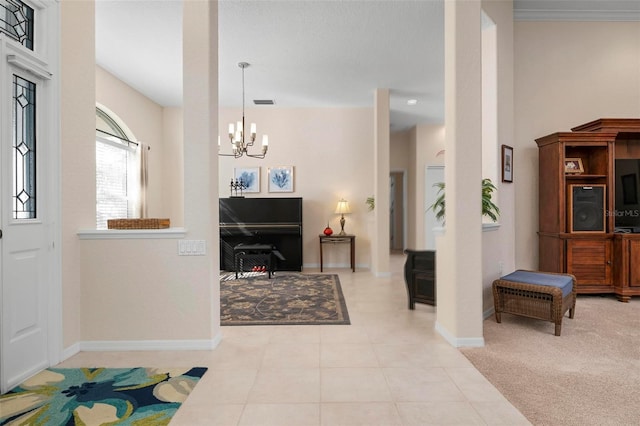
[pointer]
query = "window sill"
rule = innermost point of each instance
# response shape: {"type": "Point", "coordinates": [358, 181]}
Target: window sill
{"type": "Point", "coordinates": [492, 226]}
{"type": "Point", "coordinates": [135, 234]}
{"type": "Point", "coordinates": [486, 227]}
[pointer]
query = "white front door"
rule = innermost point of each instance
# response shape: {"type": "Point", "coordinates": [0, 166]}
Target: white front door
{"type": "Point", "coordinates": [25, 193]}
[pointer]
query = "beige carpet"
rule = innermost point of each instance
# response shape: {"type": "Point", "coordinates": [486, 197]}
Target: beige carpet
{"type": "Point", "coordinates": [590, 375]}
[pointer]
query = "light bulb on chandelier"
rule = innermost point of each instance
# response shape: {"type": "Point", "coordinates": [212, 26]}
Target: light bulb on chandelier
{"type": "Point", "coordinates": [239, 145]}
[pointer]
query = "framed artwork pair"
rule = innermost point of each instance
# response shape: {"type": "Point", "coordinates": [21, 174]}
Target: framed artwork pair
{"type": "Point", "coordinates": [280, 178]}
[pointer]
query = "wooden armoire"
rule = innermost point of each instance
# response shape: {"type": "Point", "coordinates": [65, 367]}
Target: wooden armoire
{"type": "Point", "coordinates": [589, 205]}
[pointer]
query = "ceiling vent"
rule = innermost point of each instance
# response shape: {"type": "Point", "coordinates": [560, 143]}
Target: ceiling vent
{"type": "Point", "coordinates": [263, 102]}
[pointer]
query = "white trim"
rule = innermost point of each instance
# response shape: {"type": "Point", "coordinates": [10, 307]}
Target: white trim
{"type": "Point", "coordinates": [486, 314]}
{"type": "Point", "coordinates": [56, 302]}
{"type": "Point", "coordinates": [131, 234]}
{"type": "Point", "coordinates": [468, 342]}
{"type": "Point", "coordinates": [70, 351]}
{"type": "Point", "coordinates": [150, 345]}
{"type": "Point", "coordinates": [576, 15]}
{"type": "Point", "coordinates": [121, 145]}
{"type": "Point", "coordinates": [488, 227]}
{"type": "Point", "coordinates": [29, 66]}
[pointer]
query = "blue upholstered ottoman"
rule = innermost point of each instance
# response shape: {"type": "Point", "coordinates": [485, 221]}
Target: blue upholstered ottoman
{"type": "Point", "coordinates": [542, 295]}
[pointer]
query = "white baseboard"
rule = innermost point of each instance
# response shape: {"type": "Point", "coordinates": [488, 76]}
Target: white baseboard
{"type": "Point", "coordinates": [486, 314]}
{"type": "Point", "coordinates": [149, 345]}
{"type": "Point", "coordinates": [70, 351]}
{"type": "Point", "coordinates": [329, 266]}
{"type": "Point", "coordinates": [469, 342]}
{"type": "Point", "coordinates": [142, 345]}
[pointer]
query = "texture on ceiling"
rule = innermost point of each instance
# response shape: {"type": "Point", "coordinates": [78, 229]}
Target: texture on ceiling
{"type": "Point", "coordinates": [308, 53]}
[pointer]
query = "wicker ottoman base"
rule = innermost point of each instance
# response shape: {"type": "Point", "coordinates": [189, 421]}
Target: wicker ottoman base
{"type": "Point", "coordinates": [534, 301]}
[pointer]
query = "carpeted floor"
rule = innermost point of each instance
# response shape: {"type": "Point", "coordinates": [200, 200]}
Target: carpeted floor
{"type": "Point", "coordinates": [96, 396]}
{"type": "Point", "coordinates": [590, 375]}
{"type": "Point", "coordinates": [288, 298]}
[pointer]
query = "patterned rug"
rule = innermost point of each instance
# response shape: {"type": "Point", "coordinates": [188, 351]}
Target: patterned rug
{"type": "Point", "coordinates": [285, 299]}
{"type": "Point", "coordinates": [96, 396]}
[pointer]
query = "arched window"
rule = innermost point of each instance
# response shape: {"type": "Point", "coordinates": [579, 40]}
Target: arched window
{"type": "Point", "coordinates": [117, 170]}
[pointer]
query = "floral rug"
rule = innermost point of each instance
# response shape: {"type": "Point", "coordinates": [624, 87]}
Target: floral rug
{"type": "Point", "coordinates": [96, 396]}
{"type": "Point", "coordinates": [285, 299]}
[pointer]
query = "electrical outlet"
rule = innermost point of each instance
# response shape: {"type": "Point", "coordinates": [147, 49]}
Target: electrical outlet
{"type": "Point", "coordinates": [500, 267]}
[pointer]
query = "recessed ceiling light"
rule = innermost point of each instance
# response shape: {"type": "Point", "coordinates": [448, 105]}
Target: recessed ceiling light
{"type": "Point", "coordinates": [412, 102]}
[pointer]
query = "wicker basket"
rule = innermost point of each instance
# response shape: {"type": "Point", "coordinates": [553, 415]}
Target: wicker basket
{"type": "Point", "coordinates": [149, 223]}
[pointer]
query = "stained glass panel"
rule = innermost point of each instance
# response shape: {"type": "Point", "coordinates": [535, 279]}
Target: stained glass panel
{"type": "Point", "coordinates": [16, 21]}
{"type": "Point", "coordinates": [24, 149]}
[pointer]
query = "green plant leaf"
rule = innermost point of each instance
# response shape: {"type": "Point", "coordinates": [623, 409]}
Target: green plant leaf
{"type": "Point", "coordinates": [489, 208]}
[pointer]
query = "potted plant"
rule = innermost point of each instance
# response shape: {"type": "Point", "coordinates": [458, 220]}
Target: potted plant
{"type": "Point", "coordinates": [371, 203]}
{"type": "Point", "coordinates": [488, 207]}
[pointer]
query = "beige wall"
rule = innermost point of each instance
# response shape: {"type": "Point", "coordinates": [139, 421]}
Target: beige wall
{"type": "Point", "coordinates": [139, 289]}
{"type": "Point", "coordinates": [145, 120]}
{"type": "Point", "coordinates": [498, 245]}
{"type": "Point", "coordinates": [78, 176]}
{"type": "Point", "coordinates": [399, 164]}
{"type": "Point", "coordinates": [331, 151]}
{"type": "Point", "coordinates": [567, 73]}
{"type": "Point", "coordinates": [173, 165]}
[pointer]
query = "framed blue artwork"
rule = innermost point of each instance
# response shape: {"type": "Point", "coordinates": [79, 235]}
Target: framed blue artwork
{"type": "Point", "coordinates": [281, 179]}
{"type": "Point", "coordinates": [250, 176]}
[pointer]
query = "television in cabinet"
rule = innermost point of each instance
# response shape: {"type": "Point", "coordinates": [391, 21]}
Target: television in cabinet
{"type": "Point", "coordinates": [588, 191]}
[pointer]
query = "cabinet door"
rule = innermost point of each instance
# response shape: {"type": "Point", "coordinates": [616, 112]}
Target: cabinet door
{"type": "Point", "coordinates": [424, 287]}
{"type": "Point", "coordinates": [634, 263]}
{"type": "Point", "coordinates": [590, 261]}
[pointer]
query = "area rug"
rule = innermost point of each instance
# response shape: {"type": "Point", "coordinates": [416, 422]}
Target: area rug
{"type": "Point", "coordinates": [589, 375]}
{"type": "Point", "coordinates": [96, 396]}
{"type": "Point", "coordinates": [285, 299]}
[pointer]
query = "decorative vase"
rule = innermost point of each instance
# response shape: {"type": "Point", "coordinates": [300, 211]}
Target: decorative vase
{"type": "Point", "coordinates": [328, 231]}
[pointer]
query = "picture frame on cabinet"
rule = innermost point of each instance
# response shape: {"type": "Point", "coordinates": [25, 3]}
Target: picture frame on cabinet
{"type": "Point", "coordinates": [250, 176]}
{"type": "Point", "coordinates": [507, 163]}
{"type": "Point", "coordinates": [573, 165]}
{"type": "Point", "coordinates": [281, 179]}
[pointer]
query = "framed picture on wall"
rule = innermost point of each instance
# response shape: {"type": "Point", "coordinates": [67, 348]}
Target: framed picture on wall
{"type": "Point", "coordinates": [250, 177]}
{"type": "Point", "coordinates": [281, 179]}
{"type": "Point", "coordinates": [507, 163]}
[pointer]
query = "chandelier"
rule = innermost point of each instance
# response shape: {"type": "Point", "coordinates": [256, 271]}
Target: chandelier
{"type": "Point", "coordinates": [237, 133]}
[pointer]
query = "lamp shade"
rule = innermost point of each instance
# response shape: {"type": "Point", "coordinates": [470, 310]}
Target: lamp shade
{"type": "Point", "coordinates": [343, 207]}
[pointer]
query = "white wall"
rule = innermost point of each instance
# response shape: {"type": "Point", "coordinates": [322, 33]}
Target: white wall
{"type": "Point", "coordinates": [331, 150]}
{"type": "Point", "coordinates": [429, 144]}
{"type": "Point", "coordinates": [567, 74]}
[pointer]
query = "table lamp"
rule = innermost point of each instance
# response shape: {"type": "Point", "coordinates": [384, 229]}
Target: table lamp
{"type": "Point", "coordinates": [341, 209]}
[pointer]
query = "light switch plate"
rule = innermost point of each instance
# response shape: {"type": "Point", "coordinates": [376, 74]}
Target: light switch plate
{"type": "Point", "coordinates": [192, 247]}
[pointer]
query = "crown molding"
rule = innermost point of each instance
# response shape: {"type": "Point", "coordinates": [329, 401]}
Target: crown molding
{"type": "Point", "coordinates": [576, 15]}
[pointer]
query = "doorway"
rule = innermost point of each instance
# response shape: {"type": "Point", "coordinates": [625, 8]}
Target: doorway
{"type": "Point", "coordinates": [396, 211]}
{"type": "Point", "coordinates": [433, 175]}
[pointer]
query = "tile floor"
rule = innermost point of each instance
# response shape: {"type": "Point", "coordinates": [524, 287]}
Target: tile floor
{"type": "Point", "coordinates": [389, 367]}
